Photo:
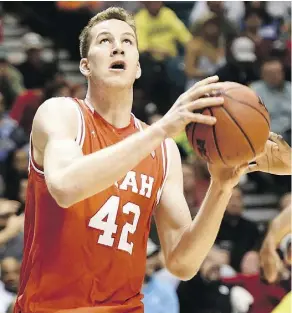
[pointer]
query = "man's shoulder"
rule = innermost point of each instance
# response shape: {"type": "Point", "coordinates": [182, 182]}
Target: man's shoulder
{"type": "Point", "coordinates": [167, 13]}
{"type": "Point", "coordinates": [62, 111]}
{"type": "Point", "coordinates": [58, 105]}
{"type": "Point", "coordinates": [141, 14]}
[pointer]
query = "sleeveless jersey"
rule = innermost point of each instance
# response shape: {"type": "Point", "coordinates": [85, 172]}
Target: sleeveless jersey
{"type": "Point", "coordinates": [92, 254]}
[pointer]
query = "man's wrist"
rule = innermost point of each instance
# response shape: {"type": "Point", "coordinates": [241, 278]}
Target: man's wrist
{"type": "Point", "coordinates": [221, 186]}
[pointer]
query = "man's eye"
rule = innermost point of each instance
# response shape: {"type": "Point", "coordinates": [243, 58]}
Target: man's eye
{"type": "Point", "coordinates": [128, 41]}
{"type": "Point", "coordinates": [104, 40]}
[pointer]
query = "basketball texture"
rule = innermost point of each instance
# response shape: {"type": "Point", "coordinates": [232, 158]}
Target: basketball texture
{"type": "Point", "coordinates": [241, 130]}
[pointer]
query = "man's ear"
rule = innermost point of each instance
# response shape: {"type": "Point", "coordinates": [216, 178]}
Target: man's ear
{"type": "Point", "coordinates": [84, 67]}
{"type": "Point", "coordinates": [139, 71]}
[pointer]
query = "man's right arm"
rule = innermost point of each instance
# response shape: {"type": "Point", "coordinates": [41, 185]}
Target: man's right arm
{"type": "Point", "coordinates": [71, 176]}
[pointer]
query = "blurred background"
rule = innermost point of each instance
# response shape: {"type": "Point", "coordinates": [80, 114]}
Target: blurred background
{"type": "Point", "coordinates": [180, 43]}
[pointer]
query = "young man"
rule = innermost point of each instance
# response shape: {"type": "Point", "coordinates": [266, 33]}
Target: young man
{"type": "Point", "coordinates": [96, 176]}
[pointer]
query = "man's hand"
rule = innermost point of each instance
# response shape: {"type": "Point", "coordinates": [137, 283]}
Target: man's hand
{"type": "Point", "coordinates": [184, 110]}
{"type": "Point", "coordinates": [270, 261]}
{"type": "Point", "coordinates": [227, 177]}
{"type": "Point", "coordinates": [276, 158]}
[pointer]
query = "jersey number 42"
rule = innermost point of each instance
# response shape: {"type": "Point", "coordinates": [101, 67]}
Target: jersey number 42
{"type": "Point", "coordinates": [109, 212]}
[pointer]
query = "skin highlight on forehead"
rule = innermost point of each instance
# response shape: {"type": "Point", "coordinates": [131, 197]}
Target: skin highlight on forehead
{"type": "Point", "coordinates": [111, 27]}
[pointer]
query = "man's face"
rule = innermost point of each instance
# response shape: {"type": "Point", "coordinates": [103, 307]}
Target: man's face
{"type": "Point", "coordinates": [34, 55]}
{"type": "Point", "coordinates": [235, 205]}
{"type": "Point", "coordinates": [10, 269]}
{"type": "Point", "coordinates": [273, 74]}
{"type": "Point", "coordinates": [211, 30]}
{"type": "Point", "coordinates": [253, 21]}
{"type": "Point", "coordinates": [113, 57]}
{"type": "Point", "coordinates": [153, 7]}
{"type": "Point", "coordinates": [216, 7]}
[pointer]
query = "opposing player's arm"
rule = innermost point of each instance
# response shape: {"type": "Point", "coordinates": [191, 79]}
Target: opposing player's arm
{"type": "Point", "coordinates": [270, 260]}
{"type": "Point", "coordinates": [186, 243]}
{"type": "Point", "coordinates": [71, 176]}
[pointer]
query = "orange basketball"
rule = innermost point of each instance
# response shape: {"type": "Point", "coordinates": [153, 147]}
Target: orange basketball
{"type": "Point", "coordinates": [241, 130]}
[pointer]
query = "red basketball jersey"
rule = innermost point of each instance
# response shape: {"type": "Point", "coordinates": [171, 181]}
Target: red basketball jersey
{"type": "Point", "coordinates": [92, 254]}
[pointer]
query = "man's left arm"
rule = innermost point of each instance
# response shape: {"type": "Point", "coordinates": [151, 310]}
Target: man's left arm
{"type": "Point", "coordinates": [185, 242]}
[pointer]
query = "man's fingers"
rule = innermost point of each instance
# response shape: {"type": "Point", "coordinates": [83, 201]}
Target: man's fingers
{"type": "Point", "coordinates": [252, 168]}
{"type": "Point", "coordinates": [278, 139]}
{"type": "Point", "coordinates": [203, 91]}
{"type": "Point", "coordinates": [204, 103]}
{"type": "Point", "coordinates": [199, 118]}
{"type": "Point", "coordinates": [206, 81]}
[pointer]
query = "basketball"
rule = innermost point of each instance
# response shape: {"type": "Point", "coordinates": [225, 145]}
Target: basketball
{"type": "Point", "coordinates": [241, 130]}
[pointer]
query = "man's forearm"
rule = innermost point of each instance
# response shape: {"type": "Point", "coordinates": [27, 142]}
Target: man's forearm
{"type": "Point", "coordinates": [90, 174]}
{"type": "Point", "coordinates": [197, 240]}
{"type": "Point", "coordinates": [281, 225]}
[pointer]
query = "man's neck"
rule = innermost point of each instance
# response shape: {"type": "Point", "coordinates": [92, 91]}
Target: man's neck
{"type": "Point", "coordinates": [113, 104]}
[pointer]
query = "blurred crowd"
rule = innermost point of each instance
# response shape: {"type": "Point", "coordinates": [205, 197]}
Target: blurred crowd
{"type": "Point", "coordinates": [180, 43]}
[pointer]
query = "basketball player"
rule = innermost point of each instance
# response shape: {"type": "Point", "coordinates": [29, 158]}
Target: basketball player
{"type": "Point", "coordinates": [280, 228]}
{"type": "Point", "coordinates": [276, 160]}
{"type": "Point", "coordinates": [96, 176]}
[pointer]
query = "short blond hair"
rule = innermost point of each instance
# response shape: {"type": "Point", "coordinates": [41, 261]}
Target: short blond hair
{"type": "Point", "coordinates": [116, 13]}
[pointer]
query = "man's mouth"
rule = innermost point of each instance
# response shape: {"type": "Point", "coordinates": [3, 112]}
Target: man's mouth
{"type": "Point", "coordinates": [118, 66]}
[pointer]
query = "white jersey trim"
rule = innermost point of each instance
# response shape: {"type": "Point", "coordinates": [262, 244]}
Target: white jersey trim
{"type": "Point", "coordinates": [81, 125]}
{"type": "Point", "coordinates": [31, 162]}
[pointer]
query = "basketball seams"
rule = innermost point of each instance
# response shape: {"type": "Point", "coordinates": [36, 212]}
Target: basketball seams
{"type": "Point", "coordinates": [215, 139]}
{"type": "Point", "coordinates": [242, 131]}
{"type": "Point", "coordinates": [245, 103]}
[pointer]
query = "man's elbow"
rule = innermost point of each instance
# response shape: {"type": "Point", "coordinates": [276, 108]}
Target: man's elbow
{"type": "Point", "coordinates": [61, 193]}
{"type": "Point", "coordinates": [181, 271]}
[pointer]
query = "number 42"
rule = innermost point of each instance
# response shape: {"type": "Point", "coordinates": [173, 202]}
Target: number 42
{"type": "Point", "coordinates": [110, 210]}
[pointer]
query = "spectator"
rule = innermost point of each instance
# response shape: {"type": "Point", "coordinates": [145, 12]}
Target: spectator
{"type": "Point", "coordinates": [241, 66]}
{"type": "Point", "coordinates": [275, 92]}
{"type": "Point", "coordinates": [207, 293]}
{"type": "Point", "coordinates": [270, 26]}
{"type": "Point", "coordinates": [159, 31]}
{"type": "Point", "coordinates": [233, 226]}
{"type": "Point", "coordinates": [10, 270]}
{"type": "Point", "coordinates": [18, 165]}
{"type": "Point", "coordinates": [265, 296]}
{"type": "Point", "coordinates": [11, 230]}
{"type": "Point", "coordinates": [159, 297]}
{"type": "Point", "coordinates": [1, 24]}
{"type": "Point", "coordinates": [26, 105]}
{"type": "Point", "coordinates": [36, 72]}
{"type": "Point", "coordinates": [253, 22]}
{"type": "Point", "coordinates": [22, 195]}
{"type": "Point", "coordinates": [227, 12]}
{"type": "Point", "coordinates": [11, 80]}
{"type": "Point", "coordinates": [204, 53]}
{"type": "Point", "coordinates": [11, 137]}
